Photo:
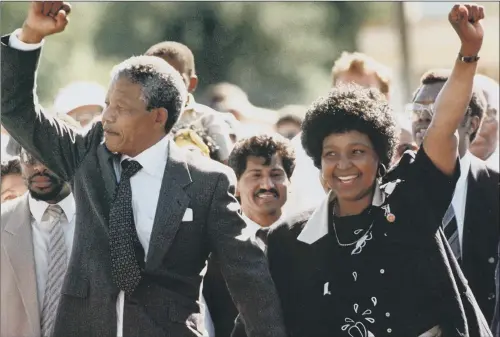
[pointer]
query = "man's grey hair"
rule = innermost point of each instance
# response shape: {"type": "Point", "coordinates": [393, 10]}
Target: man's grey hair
{"type": "Point", "coordinates": [162, 86]}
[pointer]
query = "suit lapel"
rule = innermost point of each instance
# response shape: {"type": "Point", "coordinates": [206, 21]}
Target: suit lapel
{"type": "Point", "coordinates": [106, 172]}
{"type": "Point", "coordinates": [172, 204]}
{"type": "Point", "coordinates": [17, 238]}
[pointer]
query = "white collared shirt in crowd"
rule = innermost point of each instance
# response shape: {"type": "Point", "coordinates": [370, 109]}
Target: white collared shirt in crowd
{"type": "Point", "coordinates": [460, 195]}
{"type": "Point", "coordinates": [41, 237]}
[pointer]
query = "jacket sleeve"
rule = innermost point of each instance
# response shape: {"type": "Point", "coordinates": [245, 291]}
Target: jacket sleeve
{"type": "Point", "coordinates": [243, 265]}
{"type": "Point", "coordinates": [56, 145]}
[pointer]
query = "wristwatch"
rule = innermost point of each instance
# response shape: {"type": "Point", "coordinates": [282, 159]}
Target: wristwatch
{"type": "Point", "coordinates": [468, 59]}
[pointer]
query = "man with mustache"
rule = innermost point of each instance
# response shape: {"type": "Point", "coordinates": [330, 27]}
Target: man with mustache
{"type": "Point", "coordinates": [149, 213]}
{"type": "Point", "coordinates": [37, 238]}
{"type": "Point", "coordinates": [263, 165]}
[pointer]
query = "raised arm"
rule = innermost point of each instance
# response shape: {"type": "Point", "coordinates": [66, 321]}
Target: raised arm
{"type": "Point", "coordinates": [243, 265]}
{"type": "Point", "coordinates": [59, 147]}
{"type": "Point", "coordinates": [440, 142]}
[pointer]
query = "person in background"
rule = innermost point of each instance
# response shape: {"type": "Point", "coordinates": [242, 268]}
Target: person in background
{"type": "Point", "coordinates": [363, 70]}
{"type": "Point", "coordinates": [471, 221]}
{"type": "Point", "coordinates": [229, 98]}
{"type": "Point", "coordinates": [405, 142]}
{"type": "Point", "coordinates": [192, 138]}
{"type": "Point", "coordinates": [263, 165]}
{"type": "Point", "coordinates": [151, 212]}
{"type": "Point", "coordinates": [181, 58]}
{"type": "Point", "coordinates": [82, 101]}
{"type": "Point", "coordinates": [37, 239]}
{"type": "Point", "coordinates": [12, 185]}
{"type": "Point", "coordinates": [485, 146]}
{"type": "Point", "coordinates": [290, 120]}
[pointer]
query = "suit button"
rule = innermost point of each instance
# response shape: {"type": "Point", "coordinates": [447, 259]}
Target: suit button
{"type": "Point", "coordinates": [491, 296]}
{"type": "Point", "coordinates": [491, 260]}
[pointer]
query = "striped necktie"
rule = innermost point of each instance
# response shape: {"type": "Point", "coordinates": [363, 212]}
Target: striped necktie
{"type": "Point", "coordinates": [58, 262]}
{"type": "Point", "coordinates": [450, 229]}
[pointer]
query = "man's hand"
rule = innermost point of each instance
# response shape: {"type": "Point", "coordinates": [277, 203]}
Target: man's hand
{"type": "Point", "coordinates": [465, 19]}
{"type": "Point", "coordinates": [44, 18]}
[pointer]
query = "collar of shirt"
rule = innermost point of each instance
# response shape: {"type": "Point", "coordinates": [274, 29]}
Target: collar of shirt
{"type": "Point", "coordinates": [464, 167]}
{"type": "Point", "coordinates": [153, 159]}
{"type": "Point", "coordinates": [317, 225]}
{"type": "Point", "coordinates": [254, 227]}
{"type": "Point", "coordinates": [38, 207]}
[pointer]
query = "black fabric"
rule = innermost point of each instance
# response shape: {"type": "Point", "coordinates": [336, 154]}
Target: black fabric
{"type": "Point", "coordinates": [123, 240]}
{"type": "Point", "coordinates": [399, 281]}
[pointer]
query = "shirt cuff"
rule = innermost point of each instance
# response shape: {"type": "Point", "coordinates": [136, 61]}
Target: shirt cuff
{"type": "Point", "coordinates": [15, 43]}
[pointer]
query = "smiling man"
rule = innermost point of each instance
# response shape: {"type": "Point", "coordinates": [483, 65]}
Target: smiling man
{"type": "Point", "coordinates": [263, 165]}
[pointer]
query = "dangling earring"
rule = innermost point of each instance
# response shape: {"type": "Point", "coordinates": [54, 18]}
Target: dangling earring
{"type": "Point", "coordinates": [382, 170]}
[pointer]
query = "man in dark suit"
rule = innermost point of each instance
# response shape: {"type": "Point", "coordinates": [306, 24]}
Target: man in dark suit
{"type": "Point", "coordinates": [148, 214]}
{"type": "Point", "coordinates": [472, 222]}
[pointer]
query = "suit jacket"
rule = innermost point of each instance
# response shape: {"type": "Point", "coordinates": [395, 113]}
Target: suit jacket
{"type": "Point", "coordinates": [20, 307]}
{"type": "Point", "coordinates": [165, 302]}
{"type": "Point", "coordinates": [222, 308]}
{"type": "Point", "coordinates": [481, 234]}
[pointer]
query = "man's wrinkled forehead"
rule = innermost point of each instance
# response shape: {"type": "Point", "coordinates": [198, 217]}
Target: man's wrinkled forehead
{"type": "Point", "coordinates": [427, 93]}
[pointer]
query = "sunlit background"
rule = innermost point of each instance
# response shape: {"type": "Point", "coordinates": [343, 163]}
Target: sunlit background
{"type": "Point", "coordinates": [279, 52]}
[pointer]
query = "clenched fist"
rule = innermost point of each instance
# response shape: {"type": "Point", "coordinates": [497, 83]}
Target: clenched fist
{"type": "Point", "coordinates": [465, 19]}
{"type": "Point", "coordinates": [44, 18]}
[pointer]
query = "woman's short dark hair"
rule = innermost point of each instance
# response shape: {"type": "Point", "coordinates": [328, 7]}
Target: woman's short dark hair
{"type": "Point", "coordinates": [350, 108]}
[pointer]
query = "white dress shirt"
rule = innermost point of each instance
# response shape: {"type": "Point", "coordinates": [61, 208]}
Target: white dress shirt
{"type": "Point", "coordinates": [146, 186]}
{"type": "Point", "coordinates": [41, 237]}
{"type": "Point", "coordinates": [460, 195]}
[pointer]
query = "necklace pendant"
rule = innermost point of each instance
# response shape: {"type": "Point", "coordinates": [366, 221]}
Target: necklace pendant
{"type": "Point", "coordinates": [391, 217]}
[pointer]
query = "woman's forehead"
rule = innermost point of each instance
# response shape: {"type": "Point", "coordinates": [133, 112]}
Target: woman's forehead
{"type": "Point", "coordinates": [347, 138]}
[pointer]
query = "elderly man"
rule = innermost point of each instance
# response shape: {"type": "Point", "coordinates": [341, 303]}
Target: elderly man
{"type": "Point", "coordinates": [148, 213]}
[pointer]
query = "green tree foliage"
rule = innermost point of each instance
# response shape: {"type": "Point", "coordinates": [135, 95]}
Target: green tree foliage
{"type": "Point", "coordinates": [279, 52]}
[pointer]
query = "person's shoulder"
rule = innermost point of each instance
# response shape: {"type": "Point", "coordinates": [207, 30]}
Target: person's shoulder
{"type": "Point", "coordinates": [202, 166]}
{"type": "Point", "coordinates": [12, 208]}
{"type": "Point", "coordinates": [484, 169]}
{"type": "Point", "coordinates": [291, 226]}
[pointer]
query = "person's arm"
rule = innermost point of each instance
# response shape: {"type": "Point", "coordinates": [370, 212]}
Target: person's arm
{"type": "Point", "coordinates": [243, 264]}
{"type": "Point", "coordinates": [59, 147]}
{"type": "Point", "coordinates": [440, 142]}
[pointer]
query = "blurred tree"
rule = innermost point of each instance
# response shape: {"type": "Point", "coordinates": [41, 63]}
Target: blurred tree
{"type": "Point", "coordinates": [279, 52]}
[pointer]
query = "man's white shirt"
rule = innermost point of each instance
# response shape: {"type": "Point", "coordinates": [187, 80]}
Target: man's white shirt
{"type": "Point", "coordinates": [41, 237]}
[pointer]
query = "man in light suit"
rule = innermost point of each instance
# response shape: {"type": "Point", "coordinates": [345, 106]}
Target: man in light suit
{"type": "Point", "coordinates": [28, 271]}
{"type": "Point", "coordinates": [148, 213]}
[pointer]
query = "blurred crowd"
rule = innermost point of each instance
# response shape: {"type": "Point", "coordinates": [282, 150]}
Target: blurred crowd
{"type": "Point", "coordinates": [278, 175]}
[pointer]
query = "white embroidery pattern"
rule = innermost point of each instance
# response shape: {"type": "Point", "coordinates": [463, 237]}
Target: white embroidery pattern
{"type": "Point", "coordinates": [358, 329]}
{"type": "Point", "coordinates": [362, 243]}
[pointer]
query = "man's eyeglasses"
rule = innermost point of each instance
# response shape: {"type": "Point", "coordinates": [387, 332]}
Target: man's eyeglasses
{"type": "Point", "coordinates": [419, 111]}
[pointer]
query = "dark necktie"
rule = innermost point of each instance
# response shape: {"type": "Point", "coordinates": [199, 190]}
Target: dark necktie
{"type": "Point", "coordinates": [123, 239]}
{"type": "Point", "coordinates": [450, 229]}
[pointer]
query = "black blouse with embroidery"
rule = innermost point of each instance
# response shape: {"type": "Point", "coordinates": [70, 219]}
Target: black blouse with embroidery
{"type": "Point", "coordinates": [386, 284]}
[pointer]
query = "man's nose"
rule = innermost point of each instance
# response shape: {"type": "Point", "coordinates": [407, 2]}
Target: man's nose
{"type": "Point", "coordinates": [267, 183]}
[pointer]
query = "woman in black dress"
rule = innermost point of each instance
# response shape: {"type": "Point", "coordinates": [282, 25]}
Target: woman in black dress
{"type": "Point", "coordinates": [371, 260]}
